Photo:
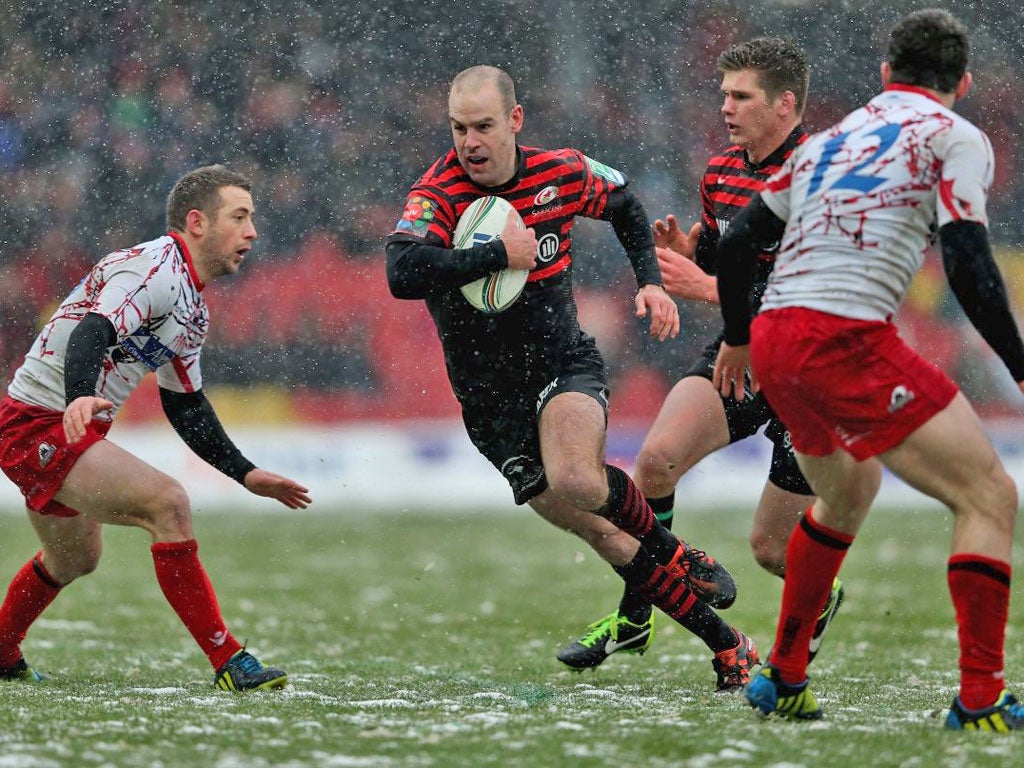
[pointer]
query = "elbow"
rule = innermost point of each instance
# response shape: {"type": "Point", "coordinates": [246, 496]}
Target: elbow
{"type": "Point", "coordinates": [401, 287]}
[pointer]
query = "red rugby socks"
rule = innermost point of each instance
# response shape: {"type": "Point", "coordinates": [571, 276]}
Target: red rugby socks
{"type": "Point", "coordinates": [31, 590]}
{"type": "Point", "coordinates": [980, 588]}
{"type": "Point", "coordinates": [188, 589]}
{"type": "Point", "coordinates": [813, 558]}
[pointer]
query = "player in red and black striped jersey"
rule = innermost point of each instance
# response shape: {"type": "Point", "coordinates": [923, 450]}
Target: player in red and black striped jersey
{"type": "Point", "coordinates": [764, 87]}
{"type": "Point", "coordinates": [531, 383]}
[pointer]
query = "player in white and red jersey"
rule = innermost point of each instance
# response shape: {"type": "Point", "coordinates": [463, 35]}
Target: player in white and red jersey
{"type": "Point", "coordinates": [138, 310]}
{"type": "Point", "coordinates": [856, 207]}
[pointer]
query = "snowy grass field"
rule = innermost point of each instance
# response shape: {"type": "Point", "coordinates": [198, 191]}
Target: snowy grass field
{"type": "Point", "coordinates": [428, 640]}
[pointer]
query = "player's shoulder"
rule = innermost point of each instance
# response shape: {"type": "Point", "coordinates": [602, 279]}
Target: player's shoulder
{"type": "Point", "coordinates": [141, 256]}
{"type": "Point", "coordinates": [443, 171]}
{"type": "Point", "coordinates": [541, 156]}
{"type": "Point", "coordinates": [731, 157]}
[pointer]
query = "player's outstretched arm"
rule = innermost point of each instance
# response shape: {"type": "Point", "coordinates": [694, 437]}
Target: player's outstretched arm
{"type": "Point", "coordinates": [274, 486]}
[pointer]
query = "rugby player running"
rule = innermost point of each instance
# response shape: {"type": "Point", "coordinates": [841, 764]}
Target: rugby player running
{"type": "Point", "coordinates": [531, 383]}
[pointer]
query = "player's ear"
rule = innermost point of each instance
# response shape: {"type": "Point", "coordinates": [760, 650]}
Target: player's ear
{"type": "Point", "coordinates": [195, 222]}
{"type": "Point", "coordinates": [886, 73]}
{"type": "Point", "coordinates": [516, 118]}
{"type": "Point", "coordinates": [964, 85]}
{"type": "Point", "coordinates": [787, 102]}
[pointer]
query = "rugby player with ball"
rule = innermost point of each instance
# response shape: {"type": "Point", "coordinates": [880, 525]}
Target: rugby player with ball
{"type": "Point", "coordinates": [531, 383]}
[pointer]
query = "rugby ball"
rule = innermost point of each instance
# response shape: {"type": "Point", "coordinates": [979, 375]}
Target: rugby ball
{"type": "Point", "coordinates": [482, 222]}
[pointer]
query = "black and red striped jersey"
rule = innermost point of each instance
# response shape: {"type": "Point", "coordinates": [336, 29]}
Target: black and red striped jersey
{"type": "Point", "coordinates": [550, 188]}
{"type": "Point", "coordinates": [729, 182]}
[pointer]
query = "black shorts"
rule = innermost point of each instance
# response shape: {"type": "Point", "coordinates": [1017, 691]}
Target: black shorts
{"type": "Point", "coordinates": [504, 427]}
{"type": "Point", "coordinates": [747, 417]}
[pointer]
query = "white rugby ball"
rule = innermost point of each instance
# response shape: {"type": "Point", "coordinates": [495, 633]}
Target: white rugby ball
{"type": "Point", "coordinates": [482, 222]}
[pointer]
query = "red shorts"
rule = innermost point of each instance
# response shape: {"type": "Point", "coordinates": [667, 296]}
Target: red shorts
{"type": "Point", "coordinates": [35, 454]}
{"type": "Point", "coordinates": [841, 383]}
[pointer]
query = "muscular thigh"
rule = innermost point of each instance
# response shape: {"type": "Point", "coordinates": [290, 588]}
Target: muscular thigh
{"type": "Point", "coordinates": [111, 485]}
{"type": "Point", "coordinates": [949, 457]}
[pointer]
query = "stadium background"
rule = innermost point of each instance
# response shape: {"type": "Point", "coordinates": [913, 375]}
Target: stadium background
{"type": "Point", "coordinates": [334, 112]}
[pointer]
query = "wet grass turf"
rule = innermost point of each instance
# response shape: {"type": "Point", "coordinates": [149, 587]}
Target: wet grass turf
{"type": "Point", "coordinates": [429, 640]}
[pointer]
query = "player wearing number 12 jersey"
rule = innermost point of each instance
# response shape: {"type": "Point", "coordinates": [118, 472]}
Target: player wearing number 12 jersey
{"type": "Point", "coordinates": [856, 207]}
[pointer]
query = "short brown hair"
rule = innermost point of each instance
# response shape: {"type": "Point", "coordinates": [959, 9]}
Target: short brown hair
{"type": "Point", "coordinates": [199, 189]}
{"type": "Point", "coordinates": [481, 73]}
{"type": "Point", "coordinates": [929, 49]}
{"type": "Point", "coordinates": [781, 66]}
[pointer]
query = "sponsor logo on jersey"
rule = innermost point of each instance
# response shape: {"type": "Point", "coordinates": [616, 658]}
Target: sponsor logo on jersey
{"type": "Point", "coordinates": [547, 247]}
{"type": "Point", "coordinates": [606, 172]}
{"type": "Point", "coordinates": [900, 397]}
{"type": "Point", "coordinates": [46, 452]}
{"type": "Point", "coordinates": [418, 214]}
{"type": "Point", "coordinates": [543, 396]}
{"type": "Point", "coordinates": [147, 349]}
{"type": "Point", "coordinates": [545, 196]}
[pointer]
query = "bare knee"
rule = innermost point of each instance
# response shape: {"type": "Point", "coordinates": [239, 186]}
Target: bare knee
{"type": "Point", "coordinates": [581, 488]}
{"type": "Point", "coordinates": [996, 502]}
{"type": "Point", "coordinates": [659, 465]}
{"type": "Point", "coordinates": [769, 552]}
{"type": "Point", "coordinates": [167, 513]}
{"type": "Point", "coordinates": [64, 565]}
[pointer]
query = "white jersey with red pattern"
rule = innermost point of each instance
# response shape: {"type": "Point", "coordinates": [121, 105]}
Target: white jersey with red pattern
{"type": "Point", "coordinates": [864, 200]}
{"type": "Point", "coordinates": [151, 294]}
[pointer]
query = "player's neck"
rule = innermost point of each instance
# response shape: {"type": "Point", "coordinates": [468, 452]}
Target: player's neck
{"type": "Point", "coordinates": [759, 151]}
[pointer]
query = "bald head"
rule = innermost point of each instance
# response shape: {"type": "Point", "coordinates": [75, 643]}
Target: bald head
{"type": "Point", "coordinates": [474, 78]}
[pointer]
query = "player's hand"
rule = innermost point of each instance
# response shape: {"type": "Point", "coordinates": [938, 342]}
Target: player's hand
{"type": "Point", "coordinates": [79, 413]}
{"type": "Point", "coordinates": [685, 280]}
{"type": "Point", "coordinates": [730, 367]}
{"type": "Point", "coordinates": [667, 234]}
{"type": "Point", "coordinates": [520, 244]}
{"type": "Point", "coordinates": [273, 486]}
{"type": "Point", "coordinates": [652, 299]}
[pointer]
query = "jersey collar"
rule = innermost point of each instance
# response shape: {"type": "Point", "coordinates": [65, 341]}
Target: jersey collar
{"type": "Point", "coordinates": [778, 157]}
{"type": "Point", "coordinates": [188, 259]}
{"type": "Point", "coordinates": [516, 177]}
{"type": "Point", "coordinates": [912, 89]}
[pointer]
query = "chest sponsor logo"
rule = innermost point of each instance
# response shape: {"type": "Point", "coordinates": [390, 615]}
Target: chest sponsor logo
{"type": "Point", "coordinates": [547, 248]}
{"type": "Point", "coordinates": [545, 196]}
{"type": "Point", "coordinates": [147, 349]}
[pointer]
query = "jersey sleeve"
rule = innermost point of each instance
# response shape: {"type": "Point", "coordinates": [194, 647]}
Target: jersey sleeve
{"type": "Point", "coordinates": [428, 216]}
{"type": "Point", "coordinates": [967, 171]}
{"type": "Point", "coordinates": [599, 181]}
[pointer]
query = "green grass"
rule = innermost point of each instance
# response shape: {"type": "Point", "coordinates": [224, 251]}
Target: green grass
{"type": "Point", "coordinates": [429, 640]}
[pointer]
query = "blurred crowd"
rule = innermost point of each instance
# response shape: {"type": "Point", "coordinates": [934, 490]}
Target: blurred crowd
{"type": "Point", "coordinates": [335, 111]}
